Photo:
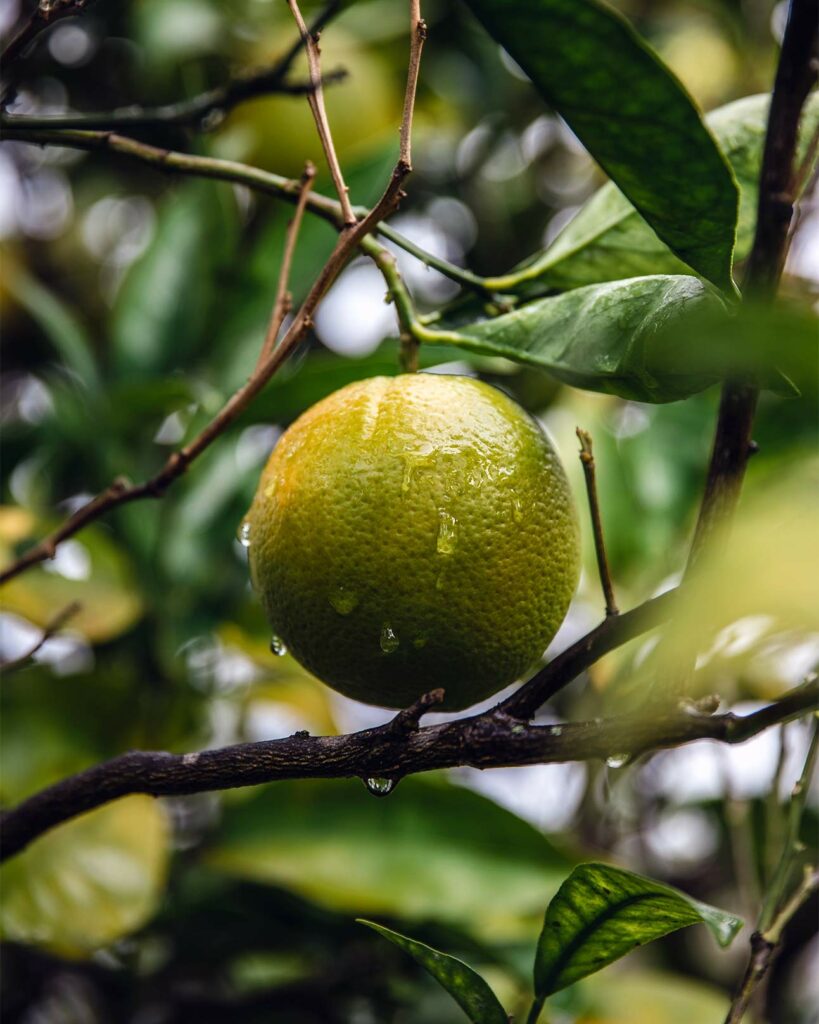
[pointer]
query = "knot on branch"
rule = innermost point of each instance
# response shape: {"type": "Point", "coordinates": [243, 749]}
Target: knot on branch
{"type": "Point", "coordinates": [406, 721]}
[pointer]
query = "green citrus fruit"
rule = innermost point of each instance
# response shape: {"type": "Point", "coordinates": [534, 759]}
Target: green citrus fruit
{"type": "Point", "coordinates": [414, 532]}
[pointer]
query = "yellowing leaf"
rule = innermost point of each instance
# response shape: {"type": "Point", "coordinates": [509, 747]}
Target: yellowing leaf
{"type": "Point", "coordinates": [88, 882]}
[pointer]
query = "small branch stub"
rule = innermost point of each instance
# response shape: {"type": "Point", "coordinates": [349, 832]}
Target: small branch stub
{"type": "Point", "coordinates": [587, 461]}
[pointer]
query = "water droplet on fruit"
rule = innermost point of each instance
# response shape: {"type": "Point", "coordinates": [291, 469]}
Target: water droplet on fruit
{"type": "Point", "coordinates": [447, 533]}
{"type": "Point", "coordinates": [388, 640]}
{"type": "Point", "coordinates": [277, 646]}
{"type": "Point", "coordinates": [244, 533]}
{"type": "Point", "coordinates": [343, 600]}
{"type": "Point", "coordinates": [380, 786]}
{"type": "Point", "coordinates": [618, 760]}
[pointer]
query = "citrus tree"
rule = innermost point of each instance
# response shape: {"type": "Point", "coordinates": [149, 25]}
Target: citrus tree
{"type": "Point", "coordinates": [602, 632]}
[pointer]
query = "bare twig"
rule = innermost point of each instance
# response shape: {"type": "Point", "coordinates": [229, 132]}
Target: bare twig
{"type": "Point", "coordinates": [316, 100]}
{"type": "Point", "coordinates": [796, 74]}
{"type": "Point", "coordinates": [284, 301]}
{"type": "Point", "coordinates": [265, 182]}
{"type": "Point", "coordinates": [207, 108]}
{"type": "Point", "coordinates": [52, 627]}
{"type": "Point", "coordinates": [409, 719]}
{"type": "Point", "coordinates": [418, 35]}
{"type": "Point", "coordinates": [121, 492]}
{"type": "Point", "coordinates": [492, 739]}
{"type": "Point", "coordinates": [587, 461]}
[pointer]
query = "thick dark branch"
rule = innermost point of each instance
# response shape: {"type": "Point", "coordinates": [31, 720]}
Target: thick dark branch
{"type": "Point", "coordinates": [796, 75]}
{"type": "Point", "coordinates": [491, 740]}
{"type": "Point", "coordinates": [207, 108]}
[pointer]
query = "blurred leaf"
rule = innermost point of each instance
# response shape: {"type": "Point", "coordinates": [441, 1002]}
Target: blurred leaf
{"type": "Point", "coordinates": [600, 913]}
{"type": "Point", "coordinates": [608, 239]}
{"type": "Point", "coordinates": [90, 569]}
{"type": "Point", "coordinates": [427, 851]}
{"type": "Point", "coordinates": [600, 338]}
{"type": "Point", "coordinates": [162, 311]}
{"type": "Point", "coordinates": [652, 997]}
{"type": "Point", "coordinates": [59, 324]}
{"type": "Point", "coordinates": [88, 882]}
{"type": "Point", "coordinates": [750, 339]}
{"type": "Point", "coordinates": [466, 987]}
{"type": "Point", "coordinates": [632, 115]}
{"type": "Point", "coordinates": [750, 588]}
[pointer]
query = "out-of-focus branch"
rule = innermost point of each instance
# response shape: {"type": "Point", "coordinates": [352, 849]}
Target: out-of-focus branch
{"type": "Point", "coordinates": [206, 109]}
{"type": "Point", "coordinates": [46, 13]}
{"type": "Point", "coordinates": [490, 740]}
{"type": "Point", "coordinates": [51, 629]}
{"type": "Point", "coordinates": [778, 908]}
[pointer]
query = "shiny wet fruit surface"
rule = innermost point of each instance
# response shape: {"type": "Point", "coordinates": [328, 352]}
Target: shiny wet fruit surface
{"type": "Point", "coordinates": [414, 532]}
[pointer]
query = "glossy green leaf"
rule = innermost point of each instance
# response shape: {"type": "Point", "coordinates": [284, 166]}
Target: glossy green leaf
{"type": "Point", "coordinates": [608, 239]}
{"type": "Point", "coordinates": [600, 913]}
{"type": "Point", "coordinates": [600, 338]}
{"type": "Point", "coordinates": [466, 986]}
{"type": "Point", "coordinates": [429, 850]}
{"type": "Point", "coordinates": [162, 311]}
{"type": "Point", "coordinates": [632, 115]}
{"type": "Point", "coordinates": [88, 882]}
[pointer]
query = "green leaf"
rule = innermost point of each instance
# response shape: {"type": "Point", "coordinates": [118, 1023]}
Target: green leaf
{"type": "Point", "coordinates": [608, 239]}
{"type": "Point", "coordinates": [88, 882]}
{"type": "Point", "coordinates": [428, 851]}
{"type": "Point", "coordinates": [632, 115]}
{"type": "Point", "coordinates": [600, 338]}
{"type": "Point", "coordinates": [466, 987]}
{"type": "Point", "coordinates": [59, 323]}
{"type": "Point", "coordinates": [600, 913]}
{"type": "Point", "coordinates": [162, 311]}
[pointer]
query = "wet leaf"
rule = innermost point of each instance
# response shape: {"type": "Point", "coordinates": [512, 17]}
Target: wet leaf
{"type": "Point", "coordinates": [466, 986]}
{"type": "Point", "coordinates": [608, 239]}
{"type": "Point", "coordinates": [600, 913]}
{"type": "Point", "coordinates": [601, 338]}
{"type": "Point", "coordinates": [88, 882]}
{"type": "Point", "coordinates": [632, 115]}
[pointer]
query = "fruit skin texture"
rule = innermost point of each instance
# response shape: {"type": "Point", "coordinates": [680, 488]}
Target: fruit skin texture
{"type": "Point", "coordinates": [414, 532]}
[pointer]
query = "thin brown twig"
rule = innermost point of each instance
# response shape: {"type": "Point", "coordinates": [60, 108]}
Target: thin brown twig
{"type": "Point", "coordinates": [589, 472]}
{"type": "Point", "coordinates": [121, 491]}
{"type": "Point", "coordinates": [418, 35]}
{"type": "Point", "coordinates": [489, 740]}
{"type": "Point", "coordinates": [316, 100]}
{"type": "Point", "coordinates": [52, 627]}
{"type": "Point", "coordinates": [283, 302]}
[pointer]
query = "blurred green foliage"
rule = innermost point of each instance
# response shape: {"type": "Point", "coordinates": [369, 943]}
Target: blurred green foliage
{"type": "Point", "coordinates": [132, 306]}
